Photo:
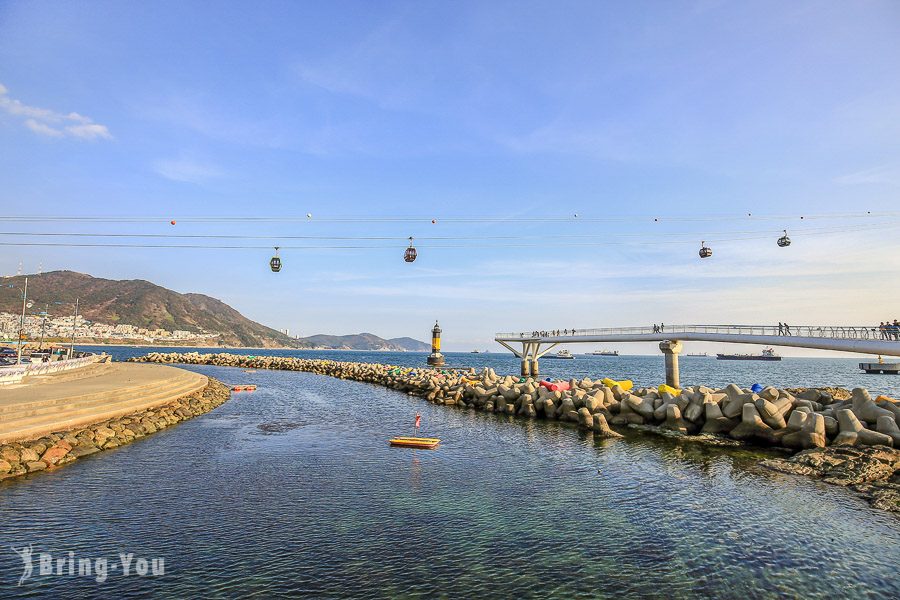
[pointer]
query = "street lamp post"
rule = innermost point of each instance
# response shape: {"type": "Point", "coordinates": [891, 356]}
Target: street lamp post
{"type": "Point", "coordinates": [43, 326]}
{"type": "Point", "coordinates": [22, 324]}
{"type": "Point", "coordinates": [74, 329]}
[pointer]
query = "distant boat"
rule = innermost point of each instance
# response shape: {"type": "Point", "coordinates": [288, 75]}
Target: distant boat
{"type": "Point", "coordinates": [561, 354]}
{"type": "Point", "coordinates": [698, 354]}
{"type": "Point", "coordinates": [766, 354]}
{"type": "Point", "coordinates": [604, 353]}
{"type": "Point", "coordinates": [475, 352]}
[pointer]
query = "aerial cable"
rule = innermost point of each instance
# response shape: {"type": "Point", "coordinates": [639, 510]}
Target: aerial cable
{"type": "Point", "coordinates": [484, 243]}
{"type": "Point", "coordinates": [564, 235]}
{"type": "Point", "coordinates": [449, 219]}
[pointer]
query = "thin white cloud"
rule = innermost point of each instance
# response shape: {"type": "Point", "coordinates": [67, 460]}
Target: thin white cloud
{"type": "Point", "coordinates": [881, 174]}
{"type": "Point", "coordinates": [49, 123]}
{"type": "Point", "coordinates": [89, 131]}
{"type": "Point", "coordinates": [211, 117]}
{"type": "Point", "coordinates": [42, 128]}
{"type": "Point", "coordinates": [606, 141]}
{"type": "Point", "coordinates": [187, 170]}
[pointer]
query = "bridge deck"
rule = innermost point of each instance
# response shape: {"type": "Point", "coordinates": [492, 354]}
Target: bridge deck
{"type": "Point", "coordinates": [861, 339]}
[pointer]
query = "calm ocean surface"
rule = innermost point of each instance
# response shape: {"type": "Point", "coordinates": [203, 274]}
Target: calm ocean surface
{"type": "Point", "coordinates": [292, 490]}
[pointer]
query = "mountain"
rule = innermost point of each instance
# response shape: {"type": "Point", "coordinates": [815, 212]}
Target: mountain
{"type": "Point", "coordinates": [139, 303]}
{"type": "Point", "coordinates": [144, 304]}
{"type": "Point", "coordinates": [363, 341]}
{"type": "Point", "coordinates": [411, 345]}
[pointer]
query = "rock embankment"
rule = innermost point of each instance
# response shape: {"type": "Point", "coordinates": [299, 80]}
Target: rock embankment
{"type": "Point", "coordinates": [809, 418]}
{"type": "Point", "coordinates": [796, 419]}
{"type": "Point", "coordinates": [64, 447]}
{"type": "Point", "coordinates": [872, 471]}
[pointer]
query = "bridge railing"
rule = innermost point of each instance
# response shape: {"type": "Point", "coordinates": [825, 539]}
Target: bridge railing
{"type": "Point", "coordinates": [847, 332]}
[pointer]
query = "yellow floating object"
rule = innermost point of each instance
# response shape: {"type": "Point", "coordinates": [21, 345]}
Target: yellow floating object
{"type": "Point", "coordinates": [625, 384]}
{"type": "Point", "coordinates": [663, 388]}
{"type": "Point", "coordinates": [415, 442]}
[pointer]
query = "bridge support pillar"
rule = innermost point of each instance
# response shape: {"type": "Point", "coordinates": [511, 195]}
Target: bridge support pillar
{"type": "Point", "coordinates": [531, 352]}
{"type": "Point", "coordinates": [671, 349]}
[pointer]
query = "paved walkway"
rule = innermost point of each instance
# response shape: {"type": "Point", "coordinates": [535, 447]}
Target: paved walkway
{"type": "Point", "coordinates": [65, 400]}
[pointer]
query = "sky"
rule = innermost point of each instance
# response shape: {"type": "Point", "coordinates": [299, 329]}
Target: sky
{"type": "Point", "coordinates": [572, 156]}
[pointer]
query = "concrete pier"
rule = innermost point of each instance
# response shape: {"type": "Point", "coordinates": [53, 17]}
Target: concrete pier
{"type": "Point", "coordinates": [671, 349]}
{"type": "Point", "coordinates": [90, 395]}
{"type": "Point", "coordinates": [880, 368]}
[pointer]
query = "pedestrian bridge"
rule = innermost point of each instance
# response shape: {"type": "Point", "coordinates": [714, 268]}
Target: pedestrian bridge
{"type": "Point", "coordinates": [864, 339]}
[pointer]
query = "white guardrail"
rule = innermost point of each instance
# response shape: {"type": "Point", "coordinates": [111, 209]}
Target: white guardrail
{"type": "Point", "coordinates": [837, 332]}
{"type": "Point", "coordinates": [15, 374]}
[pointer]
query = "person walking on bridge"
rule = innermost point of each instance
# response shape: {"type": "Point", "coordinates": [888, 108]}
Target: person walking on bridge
{"type": "Point", "coordinates": [787, 329]}
{"type": "Point", "coordinates": [896, 329]}
{"type": "Point", "coordinates": [882, 328]}
{"type": "Point", "coordinates": [780, 328]}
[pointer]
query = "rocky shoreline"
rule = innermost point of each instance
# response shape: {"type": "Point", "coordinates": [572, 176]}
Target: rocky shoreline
{"type": "Point", "coordinates": [63, 447]}
{"type": "Point", "coordinates": [871, 471]}
{"type": "Point", "coordinates": [835, 426]}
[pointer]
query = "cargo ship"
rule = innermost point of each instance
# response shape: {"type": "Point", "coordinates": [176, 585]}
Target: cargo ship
{"type": "Point", "coordinates": [766, 354]}
{"type": "Point", "coordinates": [604, 353]}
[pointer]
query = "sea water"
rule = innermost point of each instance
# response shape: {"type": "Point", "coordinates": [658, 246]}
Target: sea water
{"type": "Point", "coordinates": [293, 489]}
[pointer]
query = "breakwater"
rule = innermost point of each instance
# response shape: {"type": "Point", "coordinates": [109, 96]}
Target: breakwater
{"type": "Point", "coordinates": [821, 423]}
{"type": "Point", "coordinates": [59, 448]}
{"type": "Point", "coordinates": [794, 418]}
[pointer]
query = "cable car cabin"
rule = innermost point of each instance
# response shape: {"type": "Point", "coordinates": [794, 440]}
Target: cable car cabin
{"type": "Point", "coordinates": [410, 254]}
{"type": "Point", "coordinates": [275, 263]}
{"type": "Point", "coordinates": [705, 252]}
{"type": "Point", "coordinates": [784, 241]}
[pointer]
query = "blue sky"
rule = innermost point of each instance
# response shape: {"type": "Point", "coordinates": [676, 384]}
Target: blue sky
{"type": "Point", "coordinates": [696, 113]}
